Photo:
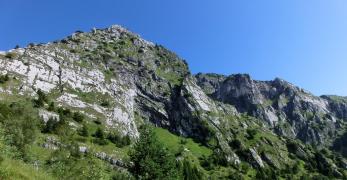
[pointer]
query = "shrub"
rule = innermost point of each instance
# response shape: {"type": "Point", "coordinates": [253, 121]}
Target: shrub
{"type": "Point", "coordinates": [21, 124]}
{"type": "Point", "coordinates": [100, 137]}
{"type": "Point", "coordinates": [252, 133]}
{"type": "Point", "coordinates": [236, 144]}
{"type": "Point", "coordinates": [4, 78]}
{"type": "Point", "coordinates": [105, 103]}
{"type": "Point", "coordinates": [42, 98]}
{"type": "Point", "coordinates": [51, 106]}
{"type": "Point", "coordinates": [84, 131]}
{"type": "Point", "coordinates": [78, 117]}
{"type": "Point", "coordinates": [101, 142]}
{"type": "Point", "coordinates": [50, 126]}
{"type": "Point", "coordinates": [190, 171]}
{"type": "Point", "coordinates": [208, 131]}
{"type": "Point", "coordinates": [292, 146]}
{"type": "Point", "coordinates": [64, 112]}
{"type": "Point", "coordinates": [206, 162]}
{"type": "Point", "coordinates": [119, 141]}
{"type": "Point", "coordinates": [183, 141]}
{"type": "Point", "coordinates": [99, 133]}
{"type": "Point", "coordinates": [10, 55]}
{"type": "Point", "coordinates": [68, 164]}
{"type": "Point", "coordinates": [78, 32]}
{"type": "Point", "coordinates": [97, 121]}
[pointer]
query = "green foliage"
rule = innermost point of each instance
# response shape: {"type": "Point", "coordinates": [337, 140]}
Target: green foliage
{"type": "Point", "coordinates": [4, 78]}
{"type": "Point", "coordinates": [60, 127]}
{"type": "Point", "coordinates": [118, 140]}
{"type": "Point", "coordinates": [65, 164]}
{"type": "Point", "coordinates": [50, 126]}
{"type": "Point", "coordinates": [100, 137]}
{"type": "Point", "coordinates": [21, 125]}
{"type": "Point", "coordinates": [18, 170]}
{"type": "Point", "coordinates": [217, 158]}
{"type": "Point", "coordinates": [151, 159]}
{"type": "Point", "coordinates": [267, 173]}
{"type": "Point", "coordinates": [108, 75]}
{"type": "Point", "coordinates": [42, 98]}
{"type": "Point", "coordinates": [51, 106]}
{"type": "Point", "coordinates": [78, 117]}
{"type": "Point", "coordinates": [84, 131]}
{"type": "Point", "coordinates": [99, 133]}
{"type": "Point", "coordinates": [209, 133]}
{"type": "Point", "coordinates": [105, 103]}
{"type": "Point", "coordinates": [251, 133]}
{"type": "Point", "coordinates": [190, 171]}
{"type": "Point", "coordinates": [64, 112]}
{"type": "Point", "coordinates": [339, 144]}
{"type": "Point", "coordinates": [10, 55]}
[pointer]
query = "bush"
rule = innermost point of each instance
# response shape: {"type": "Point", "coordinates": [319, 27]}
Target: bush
{"type": "Point", "coordinates": [235, 144]}
{"type": "Point", "coordinates": [69, 164]}
{"type": "Point", "coordinates": [183, 141]}
{"type": "Point", "coordinates": [78, 117]}
{"type": "Point", "coordinates": [101, 142]}
{"type": "Point", "coordinates": [4, 78]}
{"type": "Point", "coordinates": [42, 98]}
{"type": "Point", "coordinates": [99, 133]}
{"type": "Point", "coordinates": [208, 131]}
{"type": "Point", "coordinates": [252, 133]}
{"type": "Point", "coordinates": [64, 112]}
{"type": "Point", "coordinates": [21, 125]}
{"type": "Point", "coordinates": [51, 107]}
{"type": "Point", "coordinates": [10, 55]}
{"type": "Point", "coordinates": [97, 121]}
{"type": "Point", "coordinates": [119, 141]}
{"type": "Point", "coordinates": [84, 131]}
{"type": "Point", "coordinates": [50, 126]}
{"type": "Point", "coordinates": [206, 162]}
{"type": "Point", "coordinates": [190, 171]}
{"type": "Point", "coordinates": [105, 103]}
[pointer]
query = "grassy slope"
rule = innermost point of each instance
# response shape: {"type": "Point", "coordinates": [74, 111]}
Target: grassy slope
{"type": "Point", "coordinates": [174, 142]}
{"type": "Point", "coordinates": [15, 169]}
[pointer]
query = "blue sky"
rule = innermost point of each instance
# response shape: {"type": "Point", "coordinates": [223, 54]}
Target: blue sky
{"type": "Point", "coordinates": [304, 42]}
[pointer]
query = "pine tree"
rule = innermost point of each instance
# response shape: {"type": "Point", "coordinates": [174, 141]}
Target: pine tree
{"type": "Point", "coordinates": [50, 125]}
{"type": "Point", "coordinates": [51, 106]}
{"type": "Point", "coordinates": [151, 160]}
{"type": "Point", "coordinates": [99, 133]}
{"type": "Point", "coordinates": [84, 131]}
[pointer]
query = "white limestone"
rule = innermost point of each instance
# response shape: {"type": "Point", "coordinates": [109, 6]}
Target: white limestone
{"type": "Point", "coordinates": [71, 100]}
{"type": "Point", "coordinates": [46, 115]}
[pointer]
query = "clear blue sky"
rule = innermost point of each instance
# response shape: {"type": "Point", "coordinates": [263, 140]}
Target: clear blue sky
{"type": "Point", "coordinates": [302, 41]}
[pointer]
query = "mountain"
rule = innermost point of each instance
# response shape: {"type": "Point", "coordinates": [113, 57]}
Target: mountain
{"type": "Point", "coordinates": [92, 91]}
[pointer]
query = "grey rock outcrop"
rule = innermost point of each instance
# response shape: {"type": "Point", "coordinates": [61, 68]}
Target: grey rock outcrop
{"type": "Point", "coordinates": [289, 110]}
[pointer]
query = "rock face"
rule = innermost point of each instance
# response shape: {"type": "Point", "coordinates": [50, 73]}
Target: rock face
{"type": "Point", "coordinates": [104, 64]}
{"type": "Point", "coordinates": [289, 110]}
{"type": "Point", "coordinates": [114, 76]}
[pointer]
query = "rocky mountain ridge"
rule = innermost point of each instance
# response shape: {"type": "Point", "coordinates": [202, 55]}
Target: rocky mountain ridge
{"type": "Point", "coordinates": [113, 76]}
{"type": "Point", "coordinates": [278, 102]}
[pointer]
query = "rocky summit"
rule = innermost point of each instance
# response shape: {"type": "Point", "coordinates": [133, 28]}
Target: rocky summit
{"type": "Point", "coordinates": [95, 90]}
